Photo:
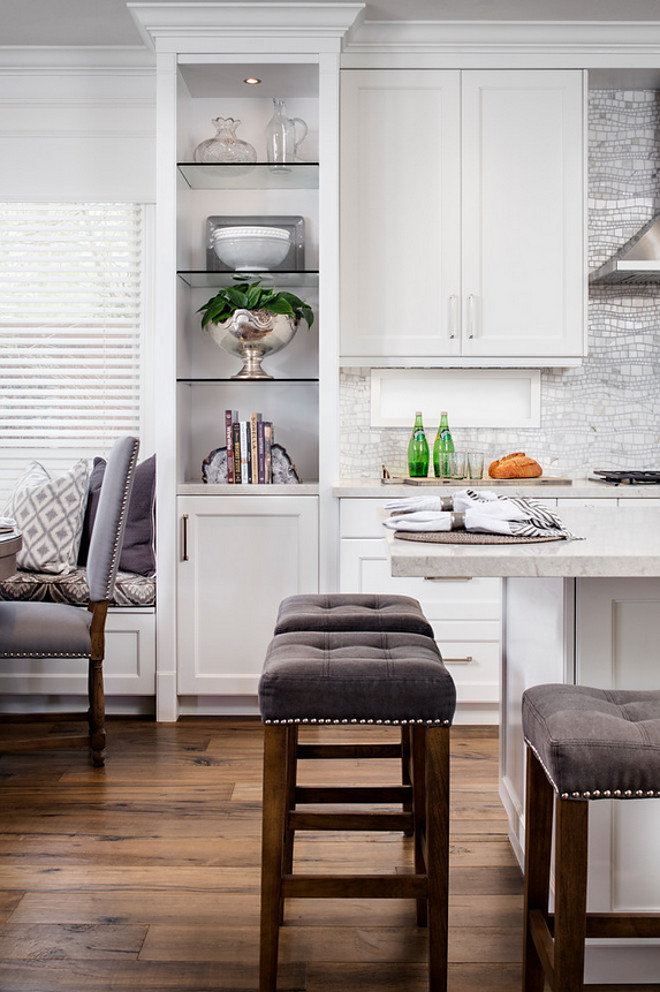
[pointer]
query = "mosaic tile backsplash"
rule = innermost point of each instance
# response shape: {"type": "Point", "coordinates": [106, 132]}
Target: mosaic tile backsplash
{"type": "Point", "coordinates": [606, 413]}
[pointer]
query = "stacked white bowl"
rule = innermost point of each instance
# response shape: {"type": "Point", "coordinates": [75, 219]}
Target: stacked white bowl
{"type": "Point", "coordinates": [254, 249]}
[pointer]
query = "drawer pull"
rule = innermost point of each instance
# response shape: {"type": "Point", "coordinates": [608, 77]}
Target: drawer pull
{"type": "Point", "coordinates": [448, 578]}
{"type": "Point", "coordinates": [458, 661]}
{"type": "Point", "coordinates": [184, 555]}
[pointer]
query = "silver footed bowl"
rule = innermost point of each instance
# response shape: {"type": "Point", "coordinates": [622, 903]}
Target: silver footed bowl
{"type": "Point", "coordinates": [251, 335]}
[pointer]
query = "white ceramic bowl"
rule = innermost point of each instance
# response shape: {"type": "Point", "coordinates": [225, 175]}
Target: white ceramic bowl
{"type": "Point", "coordinates": [251, 248]}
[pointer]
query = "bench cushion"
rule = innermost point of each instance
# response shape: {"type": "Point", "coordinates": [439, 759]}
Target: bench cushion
{"type": "Point", "coordinates": [355, 677]}
{"type": "Point", "coordinates": [595, 743]}
{"type": "Point", "coordinates": [351, 611]}
{"type": "Point", "coordinates": [130, 589]}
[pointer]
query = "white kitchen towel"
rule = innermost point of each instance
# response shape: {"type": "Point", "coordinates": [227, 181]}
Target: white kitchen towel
{"type": "Point", "coordinates": [461, 500]}
{"type": "Point", "coordinates": [499, 515]}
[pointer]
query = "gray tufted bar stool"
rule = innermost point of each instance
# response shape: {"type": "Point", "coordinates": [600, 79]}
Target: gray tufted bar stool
{"type": "Point", "coordinates": [347, 611]}
{"type": "Point", "coordinates": [583, 745]}
{"type": "Point", "coordinates": [348, 679]}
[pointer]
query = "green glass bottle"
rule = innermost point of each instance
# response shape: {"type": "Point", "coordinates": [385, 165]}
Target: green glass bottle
{"type": "Point", "coordinates": [443, 445]}
{"type": "Point", "coordinates": [418, 450]}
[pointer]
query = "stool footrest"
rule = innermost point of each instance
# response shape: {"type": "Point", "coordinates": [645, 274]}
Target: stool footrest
{"type": "Point", "coordinates": [349, 751]}
{"type": "Point", "coordinates": [350, 821]}
{"type": "Point", "coordinates": [646, 925]}
{"type": "Point", "coordinates": [354, 887]}
{"type": "Point", "coordinates": [354, 794]}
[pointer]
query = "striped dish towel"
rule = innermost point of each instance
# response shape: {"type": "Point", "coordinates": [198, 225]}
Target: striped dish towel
{"type": "Point", "coordinates": [483, 512]}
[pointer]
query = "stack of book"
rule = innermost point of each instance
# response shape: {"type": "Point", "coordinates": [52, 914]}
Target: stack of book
{"type": "Point", "coordinates": [249, 444]}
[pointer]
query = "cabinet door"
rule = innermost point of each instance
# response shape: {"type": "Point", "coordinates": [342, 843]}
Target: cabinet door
{"type": "Point", "coordinates": [400, 212]}
{"type": "Point", "coordinates": [244, 554]}
{"type": "Point", "coordinates": [523, 285]}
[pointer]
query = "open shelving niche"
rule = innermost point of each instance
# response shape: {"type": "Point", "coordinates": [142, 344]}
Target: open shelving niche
{"type": "Point", "coordinates": [205, 388]}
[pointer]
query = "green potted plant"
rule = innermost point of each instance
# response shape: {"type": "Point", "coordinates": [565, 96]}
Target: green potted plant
{"type": "Point", "coordinates": [251, 321]}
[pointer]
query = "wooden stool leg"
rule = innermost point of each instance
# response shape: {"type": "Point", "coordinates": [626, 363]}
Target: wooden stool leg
{"type": "Point", "coordinates": [538, 844]}
{"type": "Point", "coordinates": [571, 861]}
{"type": "Point", "coordinates": [272, 851]}
{"type": "Point", "coordinates": [406, 762]}
{"type": "Point", "coordinates": [437, 852]}
{"type": "Point", "coordinates": [291, 774]}
{"type": "Point", "coordinates": [418, 754]}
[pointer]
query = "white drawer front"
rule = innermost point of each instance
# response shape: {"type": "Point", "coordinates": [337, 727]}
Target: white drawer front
{"type": "Point", "coordinates": [475, 669]}
{"type": "Point", "coordinates": [365, 567]}
{"type": "Point", "coordinates": [360, 517]}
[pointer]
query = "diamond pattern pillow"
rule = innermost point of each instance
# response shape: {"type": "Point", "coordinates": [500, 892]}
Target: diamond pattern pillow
{"type": "Point", "coordinates": [49, 512]}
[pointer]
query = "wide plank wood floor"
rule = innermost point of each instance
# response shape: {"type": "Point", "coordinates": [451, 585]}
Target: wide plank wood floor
{"type": "Point", "coordinates": [145, 874]}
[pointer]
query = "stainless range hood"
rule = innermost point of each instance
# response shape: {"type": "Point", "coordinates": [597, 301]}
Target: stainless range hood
{"type": "Point", "coordinates": [638, 261]}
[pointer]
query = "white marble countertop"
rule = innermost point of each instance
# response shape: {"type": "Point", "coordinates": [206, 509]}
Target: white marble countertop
{"type": "Point", "coordinates": [623, 541]}
{"type": "Point", "coordinates": [576, 489]}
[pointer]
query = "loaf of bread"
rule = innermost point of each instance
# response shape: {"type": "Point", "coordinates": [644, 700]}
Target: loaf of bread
{"type": "Point", "coordinates": [515, 466]}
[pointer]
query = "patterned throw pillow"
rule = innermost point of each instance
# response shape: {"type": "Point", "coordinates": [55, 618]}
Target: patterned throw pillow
{"type": "Point", "coordinates": [49, 513]}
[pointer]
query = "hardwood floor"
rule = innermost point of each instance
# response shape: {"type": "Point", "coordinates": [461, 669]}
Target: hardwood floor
{"type": "Point", "coordinates": [145, 874]}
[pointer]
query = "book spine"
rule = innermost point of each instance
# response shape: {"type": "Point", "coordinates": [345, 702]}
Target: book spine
{"type": "Point", "coordinates": [229, 435]}
{"type": "Point", "coordinates": [261, 452]}
{"type": "Point", "coordinates": [236, 431]}
{"type": "Point", "coordinates": [245, 451]}
{"type": "Point", "coordinates": [254, 455]}
{"type": "Point", "coordinates": [268, 457]}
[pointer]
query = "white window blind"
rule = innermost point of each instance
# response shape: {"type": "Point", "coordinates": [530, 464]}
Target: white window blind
{"type": "Point", "coordinates": [71, 277]}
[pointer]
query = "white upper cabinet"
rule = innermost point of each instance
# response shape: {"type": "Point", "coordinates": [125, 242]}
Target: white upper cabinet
{"type": "Point", "coordinates": [462, 215]}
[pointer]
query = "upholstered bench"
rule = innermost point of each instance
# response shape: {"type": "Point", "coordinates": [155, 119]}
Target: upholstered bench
{"type": "Point", "coordinates": [583, 744]}
{"type": "Point", "coordinates": [349, 679]}
{"type": "Point", "coordinates": [351, 611]}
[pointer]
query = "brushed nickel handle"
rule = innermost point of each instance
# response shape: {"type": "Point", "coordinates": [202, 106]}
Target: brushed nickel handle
{"type": "Point", "coordinates": [458, 661]}
{"type": "Point", "coordinates": [453, 315]}
{"type": "Point", "coordinates": [472, 315]}
{"type": "Point", "coordinates": [184, 555]}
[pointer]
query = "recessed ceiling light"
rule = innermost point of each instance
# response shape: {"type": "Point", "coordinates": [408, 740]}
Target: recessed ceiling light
{"type": "Point", "coordinates": [251, 81]}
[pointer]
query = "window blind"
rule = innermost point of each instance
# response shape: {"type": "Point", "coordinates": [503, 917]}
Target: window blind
{"type": "Point", "coordinates": [70, 323]}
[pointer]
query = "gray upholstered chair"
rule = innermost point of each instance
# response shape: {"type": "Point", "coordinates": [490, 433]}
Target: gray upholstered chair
{"type": "Point", "coordinates": [57, 630]}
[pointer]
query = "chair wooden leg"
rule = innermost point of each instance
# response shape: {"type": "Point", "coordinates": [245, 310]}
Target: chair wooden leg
{"type": "Point", "coordinates": [291, 776]}
{"type": "Point", "coordinates": [538, 844]}
{"type": "Point", "coordinates": [437, 852]}
{"type": "Point", "coordinates": [418, 755]}
{"type": "Point", "coordinates": [272, 851]}
{"type": "Point", "coordinates": [96, 714]}
{"type": "Point", "coordinates": [571, 860]}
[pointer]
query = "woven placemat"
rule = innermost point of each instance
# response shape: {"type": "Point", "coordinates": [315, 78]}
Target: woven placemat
{"type": "Point", "coordinates": [470, 537]}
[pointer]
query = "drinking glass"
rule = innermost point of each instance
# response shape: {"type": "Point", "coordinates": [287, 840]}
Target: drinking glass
{"type": "Point", "coordinates": [475, 464]}
{"type": "Point", "coordinates": [456, 462]}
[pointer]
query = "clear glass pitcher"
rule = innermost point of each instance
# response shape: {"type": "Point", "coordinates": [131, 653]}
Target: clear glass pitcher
{"type": "Point", "coordinates": [283, 134]}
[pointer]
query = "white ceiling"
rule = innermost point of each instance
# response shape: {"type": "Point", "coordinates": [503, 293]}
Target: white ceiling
{"type": "Point", "coordinates": [108, 22]}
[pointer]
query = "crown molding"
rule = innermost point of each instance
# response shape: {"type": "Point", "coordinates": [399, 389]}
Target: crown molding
{"type": "Point", "coordinates": [506, 37]}
{"type": "Point", "coordinates": [106, 59]}
{"type": "Point", "coordinates": [162, 24]}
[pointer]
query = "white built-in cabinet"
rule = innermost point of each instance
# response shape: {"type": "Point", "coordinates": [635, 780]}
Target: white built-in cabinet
{"type": "Point", "coordinates": [462, 214]}
{"type": "Point", "coordinates": [239, 556]}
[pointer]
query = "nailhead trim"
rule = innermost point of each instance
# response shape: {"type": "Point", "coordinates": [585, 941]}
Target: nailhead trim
{"type": "Point", "coordinates": [383, 723]}
{"type": "Point", "coordinates": [122, 513]}
{"type": "Point", "coordinates": [594, 793]}
{"type": "Point", "coordinates": [43, 654]}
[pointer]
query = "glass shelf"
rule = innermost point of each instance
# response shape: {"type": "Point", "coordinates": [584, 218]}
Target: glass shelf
{"type": "Point", "coordinates": [200, 279]}
{"type": "Point", "coordinates": [260, 175]}
{"type": "Point", "coordinates": [191, 380]}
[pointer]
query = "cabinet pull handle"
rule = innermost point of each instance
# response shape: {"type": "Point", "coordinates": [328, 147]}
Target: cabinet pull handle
{"type": "Point", "coordinates": [184, 555]}
{"type": "Point", "coordinates": [472, 315]}
{"type": "Point", "coordinates": [448, 578]}
{"type": "Point", "coordinates": [458, 661]}
{"type": "Point", "coordinates": [453, 315]}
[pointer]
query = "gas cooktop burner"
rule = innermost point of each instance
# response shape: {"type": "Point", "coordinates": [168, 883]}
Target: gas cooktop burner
{"type": "Point", "coordinates": [628, 478]}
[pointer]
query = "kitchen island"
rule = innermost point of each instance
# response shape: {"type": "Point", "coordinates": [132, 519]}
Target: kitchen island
{"type": "Point", "coordinates": [584, 611]}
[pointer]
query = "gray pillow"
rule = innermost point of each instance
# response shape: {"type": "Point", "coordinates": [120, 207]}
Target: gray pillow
{"type": "Point", "coordinates": [49, 512]}
{"type": "Point", "coordinates": [138, 552]}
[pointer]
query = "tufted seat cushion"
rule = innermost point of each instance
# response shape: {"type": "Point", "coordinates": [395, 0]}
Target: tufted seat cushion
{"type": "Point", "coordinates": [351, 611]}
{"type": "Point", "coordinates": [355, 677]}
{"type": "Point", "coordinates": [595, 743]}
{"type": "Point", "coordinates": [44, 630]}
